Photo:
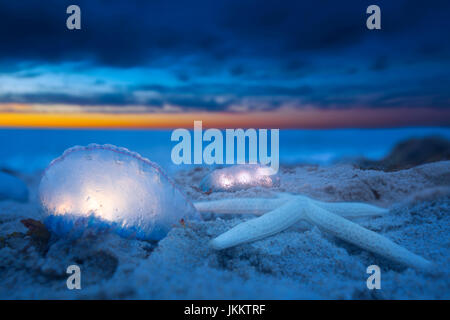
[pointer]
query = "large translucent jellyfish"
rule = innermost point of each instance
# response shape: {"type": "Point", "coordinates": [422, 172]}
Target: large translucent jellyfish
{"type": "Point", "coordinates": [103, 187]}
{"type": "Point", "coordinates": [240, 177]}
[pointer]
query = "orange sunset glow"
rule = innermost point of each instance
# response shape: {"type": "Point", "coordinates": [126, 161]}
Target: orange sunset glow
{"type": "Point", "coordinates": [282, 118]}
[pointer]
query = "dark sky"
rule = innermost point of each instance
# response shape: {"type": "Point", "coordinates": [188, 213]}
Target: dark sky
{"type": "Point", "coordinates": [232, 55]}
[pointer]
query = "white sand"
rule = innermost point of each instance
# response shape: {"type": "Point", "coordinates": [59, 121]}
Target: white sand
{"type": "Point", "coordinates": [293, 264]}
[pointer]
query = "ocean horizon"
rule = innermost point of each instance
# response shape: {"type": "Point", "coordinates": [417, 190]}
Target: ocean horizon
{"type": "Point", "coordinates": [30, 150]}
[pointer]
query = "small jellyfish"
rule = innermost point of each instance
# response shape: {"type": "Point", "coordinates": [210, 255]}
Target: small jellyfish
{"type": "Point", "coordinates": [104, 187]}
{"type": "Point", "coordinates": [240, 177]}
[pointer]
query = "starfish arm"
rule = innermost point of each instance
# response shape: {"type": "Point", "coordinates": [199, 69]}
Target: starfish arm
{"type": "Point", "coordinates": [363, 238]}
{"type": "Point", "coordinates": [259, 206]}
{"type": "Point", "coordinates": [261, 227]}
{"type": "Point", "coordinates": [256, 206]}
{"type": "Point", "coordinates": [351, 209]}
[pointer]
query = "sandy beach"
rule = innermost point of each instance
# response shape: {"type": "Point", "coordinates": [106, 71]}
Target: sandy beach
{"type": "Point", "coordinates": [224, 150]}
{"type": "Point", "coordinates": [302, 262]}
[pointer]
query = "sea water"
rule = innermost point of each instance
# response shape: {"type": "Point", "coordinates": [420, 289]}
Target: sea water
{"type": "Point", "coordinates": [30, 150]}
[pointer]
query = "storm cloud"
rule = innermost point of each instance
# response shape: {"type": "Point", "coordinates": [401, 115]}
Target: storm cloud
{"type": "Point", "coordinates": [216, 55]}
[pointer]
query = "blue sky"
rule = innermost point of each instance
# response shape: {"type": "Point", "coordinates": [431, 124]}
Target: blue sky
{"type": "Point", "coordinates": [233, 56]}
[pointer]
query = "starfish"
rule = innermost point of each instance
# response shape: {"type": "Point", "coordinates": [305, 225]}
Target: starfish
{"type": "Point", "coordinates": [280, 213]}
